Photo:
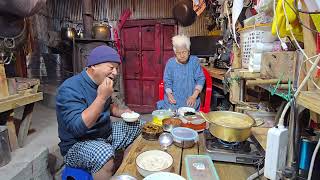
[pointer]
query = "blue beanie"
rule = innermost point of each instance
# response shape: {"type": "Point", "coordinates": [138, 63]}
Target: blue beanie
{"type": "Point", "coordinates": [102, 54]}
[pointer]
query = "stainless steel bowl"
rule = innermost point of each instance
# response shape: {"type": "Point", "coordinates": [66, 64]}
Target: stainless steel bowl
{"type": "Point", "coordinates": [184, 144]}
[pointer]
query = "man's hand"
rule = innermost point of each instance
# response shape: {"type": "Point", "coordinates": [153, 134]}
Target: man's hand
{"type": "Point", "coordinates": [171, 98]}
{"type": "Point", "coordinates": [117, 111]}
{"type": "Point", "coordinates": [105, 89]}
{"type": "Point", "coordinates": [191, 101]}
{"type": "Point", "coordinates": [121, 111]}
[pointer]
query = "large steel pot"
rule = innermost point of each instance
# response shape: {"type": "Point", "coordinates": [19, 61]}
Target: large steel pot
{"type": "Point", "coordinates": [229, 126]}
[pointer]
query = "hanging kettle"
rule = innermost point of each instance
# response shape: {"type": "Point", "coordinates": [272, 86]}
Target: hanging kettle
{"type": "Point", "coordinates": [183, 12]}
{"type": "Point", "coordinates": [67, 32]}
{"type": "Point", "coordinates": [101, 31]}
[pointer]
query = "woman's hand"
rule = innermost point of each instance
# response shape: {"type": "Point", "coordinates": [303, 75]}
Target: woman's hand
{"type": "Point", "coordinates": [171, 98]}
{"type": "Point", "coordinates": [191, 101]}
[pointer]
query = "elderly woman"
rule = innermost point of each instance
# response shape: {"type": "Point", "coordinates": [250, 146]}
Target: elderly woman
{"type": "Point", "coordinates": [183, 77]}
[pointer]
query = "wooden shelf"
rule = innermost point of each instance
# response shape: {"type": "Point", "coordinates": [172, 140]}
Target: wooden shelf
{"type": "Point", "coordinates": [246, 74]}
{"type": "Point", "coordinates": [310, 100]}
{"type": "Point", "coordinates": [216, 72]}
{"type": "Point", "coordinates": [215, 84]}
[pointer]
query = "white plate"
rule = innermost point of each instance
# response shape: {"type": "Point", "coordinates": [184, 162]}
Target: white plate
{"type": "Point", "coordinates": [130, 117]}
{"type": "Point", "coordinates": [183, 110]}
{"type": "Point", "coordinates": [164, 175]}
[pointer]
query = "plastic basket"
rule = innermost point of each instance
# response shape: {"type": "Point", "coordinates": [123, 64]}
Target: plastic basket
{"type": "Point", "coordinates": [251, 35]}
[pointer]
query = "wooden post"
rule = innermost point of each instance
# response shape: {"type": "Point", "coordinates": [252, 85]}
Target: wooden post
{"type": "Point", "coordinates": [25, 124]}
{"type": "Point", "coordinates": [236, 63]}
{"type": "Point", "coordinates": [20, 64]}
{"type": "Point", "coordinates": [234, 94]}
{"type": "Point", "coordinates": [3, 82]}
{"type": "Point", "coordinates": [309, 38]}
{"type": "Point", "coordinates": [12, 131]}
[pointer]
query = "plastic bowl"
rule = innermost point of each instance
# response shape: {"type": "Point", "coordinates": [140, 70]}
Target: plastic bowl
{"type": "Point", "coordinates": [184, 137]}
{"type": "Point", "coordinates": [130, 117]}
{"type": "Point", "coordinates": [153, 161]}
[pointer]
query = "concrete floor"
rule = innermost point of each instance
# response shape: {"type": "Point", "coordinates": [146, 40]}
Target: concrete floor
{"type": "Point", "coordinates": [31, 161]}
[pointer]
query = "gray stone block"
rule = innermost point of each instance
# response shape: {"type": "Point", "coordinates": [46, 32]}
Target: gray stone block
{"type": "Point", "coordinates": [24, 174]}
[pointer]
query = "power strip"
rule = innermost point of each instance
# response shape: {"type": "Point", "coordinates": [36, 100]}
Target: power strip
{"type": "Point", "coordinates": [276, 152]}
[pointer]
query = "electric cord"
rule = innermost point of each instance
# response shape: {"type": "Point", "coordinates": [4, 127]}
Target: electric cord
{"type": "Point", "coordinates": [255, 175]}
{"type": "Point", "coordinates": [300, 69]}
{"type": "Point", "coordinates": [313, 159]}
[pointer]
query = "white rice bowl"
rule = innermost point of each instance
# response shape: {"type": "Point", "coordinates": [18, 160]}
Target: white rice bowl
{"type": "Point", "coordinates": [130, 116]}
{"type": "Point", "coordinates": [153, 161]}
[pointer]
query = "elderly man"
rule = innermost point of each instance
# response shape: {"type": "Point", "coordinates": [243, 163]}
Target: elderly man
{"type": "Point", "coordinates": [84, 106]}
{"type": "Point", "coordinates": [183, 77]}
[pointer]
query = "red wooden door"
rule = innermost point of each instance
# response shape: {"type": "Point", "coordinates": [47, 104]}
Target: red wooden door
{"type": "Point", "coordinates": [146, 48]}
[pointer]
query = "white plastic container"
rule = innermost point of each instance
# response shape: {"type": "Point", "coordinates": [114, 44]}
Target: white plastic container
{"type": "Point", "coordinates": [200, 167]}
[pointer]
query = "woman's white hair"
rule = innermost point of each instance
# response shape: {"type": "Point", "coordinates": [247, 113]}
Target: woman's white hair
{"type": "Point", "coordinates": [181, 41]}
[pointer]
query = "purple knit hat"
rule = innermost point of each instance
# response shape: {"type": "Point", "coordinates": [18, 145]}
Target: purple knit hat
{"type": "Point", "coordinates": [102, 54]}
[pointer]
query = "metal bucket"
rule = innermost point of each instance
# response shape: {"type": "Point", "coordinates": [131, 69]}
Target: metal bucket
{"type": "Point", "coordinates": [5, 155]}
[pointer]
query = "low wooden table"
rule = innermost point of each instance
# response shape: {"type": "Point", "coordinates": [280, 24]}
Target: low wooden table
{"type": "Point", "coordinates": [225, 170]}
{"type": "Point", "coordinates": [18, 129]}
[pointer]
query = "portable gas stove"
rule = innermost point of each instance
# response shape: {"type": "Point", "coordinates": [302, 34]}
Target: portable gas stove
{"type": "Point", "coordinates": [247, 152]}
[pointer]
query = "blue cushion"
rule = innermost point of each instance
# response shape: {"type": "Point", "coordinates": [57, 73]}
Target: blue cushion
{"type": "Point", "coordinates": [76, 174]}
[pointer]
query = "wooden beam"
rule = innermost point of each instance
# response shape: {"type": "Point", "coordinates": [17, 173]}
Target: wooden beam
{"type": "Point", "coordinates": [12, 131]}
{"type": "Point", "coordinates": [263, 81]}
{"type": "Point", "coordinates": [25, 124]}
{"type": "Point", "coordinates": [20, 64]}
{"type": "Point", "coordinates": [234, 90]}
{"type": "Point", "coordinates": [4, 92]}
{"type": "Point", "coordinates": [309, 39]}
{"type": "Point", "coordinates": [246, 74]}
{"type": "Point", "coordinates": [20, 101]}
{"type": "Point", "coordinates": [236, 63]}
{"type": "Point", "coordinates": [310, 100]}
